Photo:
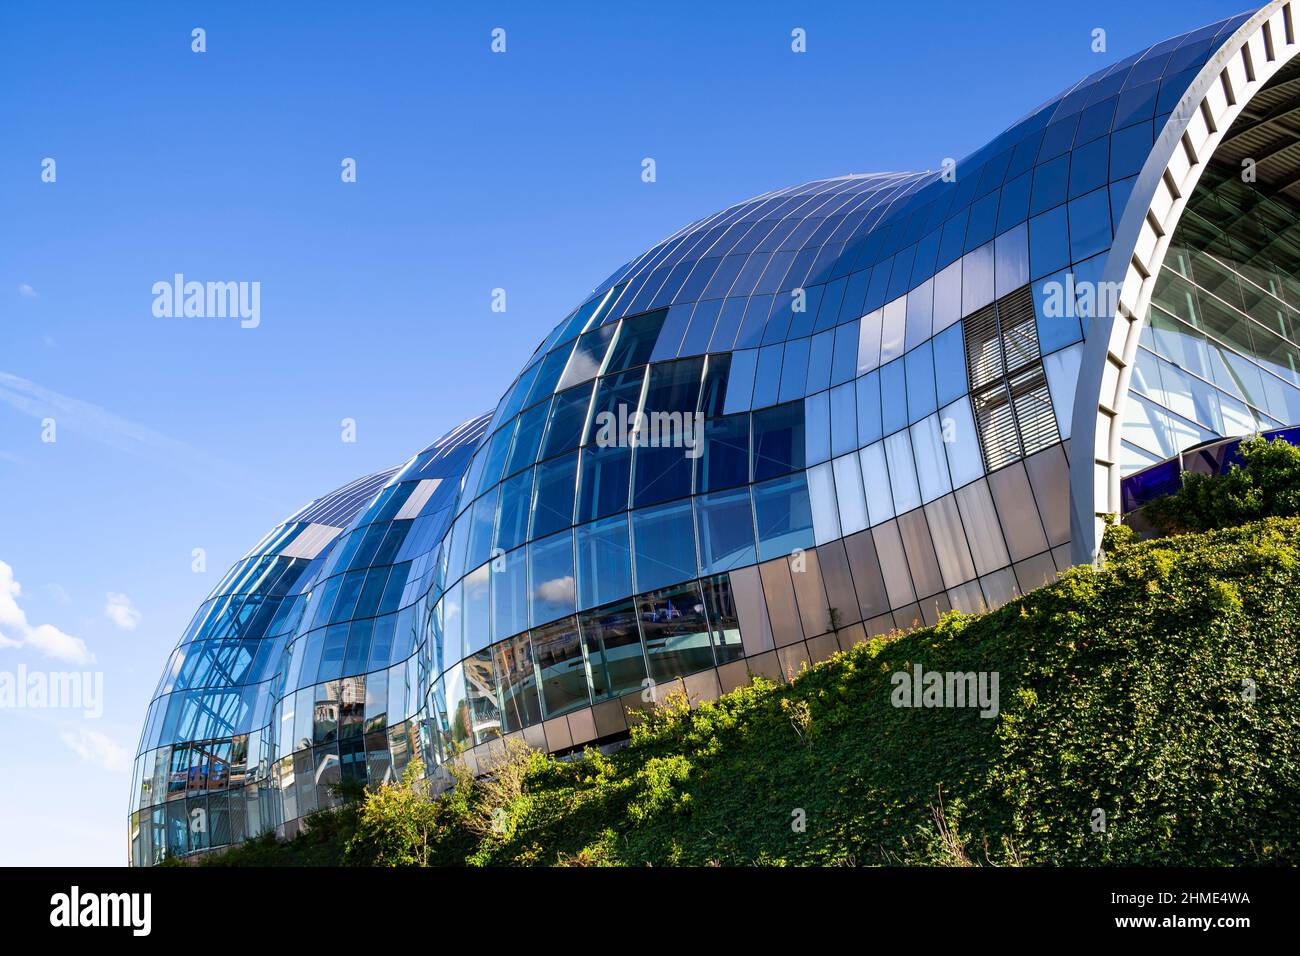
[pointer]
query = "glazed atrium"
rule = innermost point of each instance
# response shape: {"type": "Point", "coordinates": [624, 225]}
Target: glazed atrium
{"type": "Point", "coordinates": [897, 395]}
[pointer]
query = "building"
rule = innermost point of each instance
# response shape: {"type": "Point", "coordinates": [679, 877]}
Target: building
{"type": "Point", "coordinates": [915, 392]}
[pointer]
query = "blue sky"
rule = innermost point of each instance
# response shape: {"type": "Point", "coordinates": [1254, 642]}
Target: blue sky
{"type": "Point", "coordinates": [475, 171]}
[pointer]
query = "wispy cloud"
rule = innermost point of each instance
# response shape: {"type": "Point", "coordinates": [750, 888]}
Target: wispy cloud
{"type": "Point", "coordinates": [17, 631]}
{"type": "Point", "coordinates": [121, 611]}
{"type": "Point", "coordinates": [108, 428]}
{"type": "Point", "coordinates": [97, 748]}
{"type": "Point", "coordinates": [27, 292]}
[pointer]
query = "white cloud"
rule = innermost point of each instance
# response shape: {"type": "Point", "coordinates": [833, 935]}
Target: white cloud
{"type": "Point", "coordinates": [97, 748]}
{"type": "Point", "coordinates": [557, 590]}
{"type": "Point", "coordinates": [121, 612]}
{"type": "Point", "coordinates": [16, 631]}
{"type": "Point", "coordinates": [26, 291]}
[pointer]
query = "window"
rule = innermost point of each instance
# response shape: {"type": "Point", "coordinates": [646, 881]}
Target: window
{"type": "Point", "coordinates": [528, 437]}
{"type": "Point", "coordinates": [677, 638]}
{"type": "Point", "coordinates": [778, 440]}
{"type": "Point", "coordinates": [665, 545]}
{"type": "Point", "coordinates": [553, 495]}
{"type": "Point", "coordinates": [613, 644]}
{"type": "Point", "coordinates": [550, 578]}
{"type": "Point", "coordinates": [568, 416]}
{"type": "Point", "coordinates": [509, 594]}
{"type": "Point", "coordinates": [725, 524]}
{"type": "Point", "coordinates": [512, 521]}
{"type": "Point", "coordinates": [1009, 393]}
{"type": "Point", "coordinates": [519, 706]}
{"type": "Point", "coordinates": [724, 461]}
{"type": "Point", "coordinates": [606, 475]}
{"type": "Point", "coordinates": [561, 667]}
{"type": "Point", "coordinates": [783, 516]}
{"type": "Point", "coordinates": [636, 339]}
{"type": "Point", "coordinates": [724, 622]}
{"type": "Point", "coordinates": [604, 561]}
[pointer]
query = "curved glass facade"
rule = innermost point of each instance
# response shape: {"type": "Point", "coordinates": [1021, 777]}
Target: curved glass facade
{"type": "Point", "coordinates": [826, 412]}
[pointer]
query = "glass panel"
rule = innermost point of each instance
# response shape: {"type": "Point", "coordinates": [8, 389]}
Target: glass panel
{"type": "Point", "coordinates": [778, 440]}
{"type": "Point", "coordinates": [604, 562]}
{"type": "Point", "coordinates": [561, 667]}
{"type": "Point", "coordinates": [553, 495]}
{"type": "Point", "coordinates": [606, 475]}
{"type": "Point", "coordinates": [613, 644]}
{"type": "Point", "coordinates": [481, 696]}
{"type": "Point", "coordinates": [677, 637]}
{"type": "Point", "coordinates": [665, 545]}
{"type": "Point", "coordinates": [519, 703]}
{"type": "Point", "coordinates": [509, 594]}
{"type": "Point", "coordinates": [724, 622]}
{"type": "Point", "coordinates": [783, 516]}
{"type": "Point", "coordinates": [550, 578]}
{"type": "Point", "coordinates": [516, 501]}
{"type": "Point", "coordinates": [726, 530]}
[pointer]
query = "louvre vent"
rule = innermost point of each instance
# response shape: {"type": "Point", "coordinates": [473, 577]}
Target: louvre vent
{"type": "Point", "coordinates": [1013, 407]}
{"type": "Point", "coordinates": [983, 352]}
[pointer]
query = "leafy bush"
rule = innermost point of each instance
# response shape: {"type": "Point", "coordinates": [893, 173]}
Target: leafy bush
{"type": "Point", "coordinates": [1148, 714]}
{"type": "Point", "coordinates": [1265, 485]}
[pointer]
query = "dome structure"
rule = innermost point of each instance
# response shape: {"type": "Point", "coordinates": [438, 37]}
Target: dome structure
{"type": "Point", "coordinates": [824, 413]}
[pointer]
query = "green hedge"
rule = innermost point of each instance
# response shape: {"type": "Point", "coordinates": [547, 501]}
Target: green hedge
{"type": "Point", "coordinates": [1160, 692]}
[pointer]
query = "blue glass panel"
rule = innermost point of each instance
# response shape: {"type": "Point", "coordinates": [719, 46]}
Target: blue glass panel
{"type": "Point", "coordinates": [1089, 225]}
{"type": "Point", "coordinates": [1088, 167]}
{"type": "Point", "coordinates": [949, 364]}
{"type": "Point", "coordinates": [551, 592]}
{"type": "Point", "coordinates": [617, 399]}
{"type": "Point", "coordinates": [740, 381]}
{"type": "Point", "coordinates": [528, 438]}
{"type": "Point", "coordinates": [516, 502]}
{"type": "Point", "coordinates": [783, 516]}
{"type": "Point", "coordinates": [604, 562]}
{"type": "Point", "coordinates": [725, 526]}
{"type": "Point", "coordinates": [606, 478]}
{"type": "Point", "coordinates": [1014, 207]}
{"type": "Point", "coordinates": [495, 461]}
{"type": "Point", "coordinates": [1050, 180]}
{"type": "Point", "coordinates": [547, 376]}
{"type": "Point", "coordinates": [509, 594]}
{"type": "Point", "coordinates": [767, 379]}
{"type": "Point", "coordinates": [869, 421]}
{"type": "Point", "coordinates": [568, 415]}
{"type": "Point", "coordinates": [846, 353]}
{"type": "Point", "coordinates": [664, 538]}
{"type": "Point", "coordinates": [482, 519]}
{"type": "Point", "coordinates": [821, 354]}
{"type": "Point", "coordinates": [635, 341]}
{"type": "Point", "coordinates": [477, 595]}
{"type": "Point", "coordinates": [817, 421]}
{"type": "Point", "coordinates": [778, 436]}
{"type": "Point", "coordinates": [553, 495]}
{"type": "Point", "coordinates": [1049, 243]}
{"type": "Point", "coordinates": [717, 379]}
{"type": "Point", "coordinates": [725, 461]}
{"type": "Point", "coordinates": [921, 399]}
{"type": "Point", "coordinates": [893, 396]}
{"type": "Point", "coordinates": [699, 333]}
{"type": "Point", "coordinates": [794, 370]}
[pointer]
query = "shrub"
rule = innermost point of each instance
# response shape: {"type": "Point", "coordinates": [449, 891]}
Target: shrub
{"type": "Point", "coordinates": [1265, 485]}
